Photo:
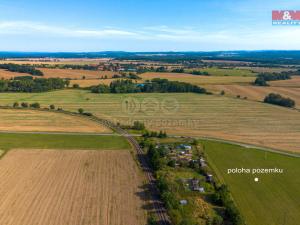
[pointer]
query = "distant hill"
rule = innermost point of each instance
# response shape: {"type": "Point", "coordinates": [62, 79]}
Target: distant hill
{"type": "Point", "coordinates": [270, 56]}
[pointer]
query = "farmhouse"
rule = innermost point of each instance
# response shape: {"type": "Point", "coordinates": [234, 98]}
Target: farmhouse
{"type": "Point", "coordinates": [195, 185]}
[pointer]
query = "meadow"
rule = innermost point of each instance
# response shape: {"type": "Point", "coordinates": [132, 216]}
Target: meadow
{"type": "Point", "coordinates": [62, 141]}
{"type": "Point", "coordinates": [274, 198]}
{"type": "Point", "coordinates": [185, 114]}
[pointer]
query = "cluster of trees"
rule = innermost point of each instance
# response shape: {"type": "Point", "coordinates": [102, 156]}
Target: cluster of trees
{"type": "Point", "coordinates": [35, 105]}
{"type": "Point", "coordinates": [21, 69]}
{"type": "Point", "coordinates": [129, 76]}
{"type": "Point", "coordinates": [32, 85]}
{"type": "Point", "coordinates": [197, 72]}
{"type": "Point", "coordinates": [155, 85]}
{"type": "Point", "coordinates": [222, 197]}
{"type": "Point", "coordinates": [262, 78]}
{"type": "Point", "coordinates": [277, 99]}
{"type": "Point", "coordinates": [160, 134]}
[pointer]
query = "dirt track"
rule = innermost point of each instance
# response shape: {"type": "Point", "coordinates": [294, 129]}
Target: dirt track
{"type": "Point", "coordinates": [53, 187]}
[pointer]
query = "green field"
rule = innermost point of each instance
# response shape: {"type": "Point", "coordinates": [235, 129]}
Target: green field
{"type": "Point", "coordinates": [62, 141]}
{"type": "Point", "coordinates": [196, 115]}
{"type": "Point", "coordinates": [274, 200]}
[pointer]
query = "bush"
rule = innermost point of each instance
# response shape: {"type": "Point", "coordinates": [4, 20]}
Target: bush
{"type": "Point", "coordinates": [24, 104]}
{"type": "Point", "coordinates": [76, 86]}
{"type": "Point", "coordinates": [80, 110]}
{"type": "Point", "coordinates": [16, 105]}
{"type": "Point", "coordinates": [35, 105]}
{"type": "Point", "coordinates": [52, 107]}
{"type": "Point", "coordinates": [277, 99]}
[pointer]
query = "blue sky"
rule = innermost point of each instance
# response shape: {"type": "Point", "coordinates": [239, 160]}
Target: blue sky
{"type": "Point", "coordinates": [144, 25]}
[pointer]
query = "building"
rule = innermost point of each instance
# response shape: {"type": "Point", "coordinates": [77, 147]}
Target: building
{"type": "Point", "coordinates": [183, 202]}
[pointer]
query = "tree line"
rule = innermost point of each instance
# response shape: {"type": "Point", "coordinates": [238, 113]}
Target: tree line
{"type": "Point", "coordinates": [21, 69]}
{"type": "Point", "coordinates": [155, 85]}
{"type": "Point", "coordinates": [32, 85]}
{"type": "Point", "coordinates": [262, 78]}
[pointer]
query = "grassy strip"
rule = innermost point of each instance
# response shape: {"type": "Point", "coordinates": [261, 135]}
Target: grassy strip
{"type": "Point", "coordinates": [62, 141]}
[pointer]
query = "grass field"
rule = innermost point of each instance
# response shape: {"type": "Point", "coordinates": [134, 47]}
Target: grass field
{"type": "Point", "coordinates": [184, 114]}
{"type": "Point", "coordinates": [70, 188]}
{"type": "Point", "coordinates": [200, 80]}
{"type": "Point", "coordinates": [62, 141]}
{"type": "Point", "coordinates": [33, 120]}
{"type": "Point", "coordinates": [274, 199]}
{"type": "Point", "coordinates": [255, 92]}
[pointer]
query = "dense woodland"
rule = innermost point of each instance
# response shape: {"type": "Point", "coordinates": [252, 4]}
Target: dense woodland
{"type": "Point", "coordinates": [21, 69]}
{"type": "Point", "coordinates": [32, 85]}
{"type": "Point", "coordinates": [155, 85]}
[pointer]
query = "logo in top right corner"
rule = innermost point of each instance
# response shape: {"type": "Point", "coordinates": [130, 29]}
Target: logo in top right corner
{"type": "Point", "coordinates": [286, 17]}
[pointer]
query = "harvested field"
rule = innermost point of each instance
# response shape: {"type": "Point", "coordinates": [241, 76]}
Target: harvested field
{"type": "Point", "coordinates": [199, 80]}
{"type": "Point", "coordinates": [256, 93]}
{"type": "Point", "coordinates": [58, 61]}
{"type": "Point", "coordinates": [32, 120]}
{"type": "Point", "coordinates": [214, 71]}
{"type": "Point", "coordinates": [267, 69]}
{"type": "Point", "coordinates": [75, 74]}
{"type": "Point", "coordinates": [196, 114]}
{"type": "Point", "coordinates": [294, 82]}
{"type": "Point", "coordinates": [4, 74]}
{"type": "Point", "coordinates": [70, 188]}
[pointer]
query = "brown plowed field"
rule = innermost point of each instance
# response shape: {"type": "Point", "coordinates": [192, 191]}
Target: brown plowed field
{"type": "Point", "coordinates": [51, 187]}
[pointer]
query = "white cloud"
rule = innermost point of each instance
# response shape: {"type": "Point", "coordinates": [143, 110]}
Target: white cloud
{"type": "Point", "coordinates": [236, 38]}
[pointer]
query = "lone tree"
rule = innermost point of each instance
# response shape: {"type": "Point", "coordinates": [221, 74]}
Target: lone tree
{"type": "Point", "coordinates": [80, 110]}
{"type": "Point", "coordinates": [52, 107]}
{"type": "Point", "coordinates": [16, 105]}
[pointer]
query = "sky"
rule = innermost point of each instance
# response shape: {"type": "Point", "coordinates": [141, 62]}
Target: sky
{"type": "Point", "coordinates": [144, 25]}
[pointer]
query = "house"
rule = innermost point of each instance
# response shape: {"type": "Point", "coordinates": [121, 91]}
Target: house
{"type": "Point", "coordinates": [202, 162]}
{"type": "Point", "coordinates": [185, 147]}
{"type": "Point", "coordinates": [209, 178]}
{"type": "Point", "coordinates": [195, 184]}
{"type": "Point", "coordinates": [183, 202]}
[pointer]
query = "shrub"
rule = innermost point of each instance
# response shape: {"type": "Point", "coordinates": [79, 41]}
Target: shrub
{"type": "Point", "coordinates": [24, 104]}
{"type": "Point", "coordinates": [35, 105]}
{"type": "Point", "coordinates": [16, 105]}
{"type": "Point", "coordinates": [277, 99]}
{"type": "Point", "coordinates": [52, 107]}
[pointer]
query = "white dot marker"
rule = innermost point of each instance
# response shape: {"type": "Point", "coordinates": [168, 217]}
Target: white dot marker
{"type": "Point", "coordinates": [256, 179]}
